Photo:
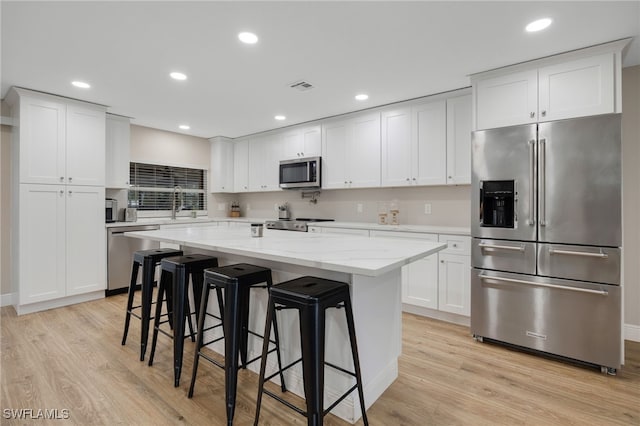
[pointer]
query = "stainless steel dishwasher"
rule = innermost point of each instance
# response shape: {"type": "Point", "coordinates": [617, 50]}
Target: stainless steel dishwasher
{"type": "Point", "coordinates": [120, 251]}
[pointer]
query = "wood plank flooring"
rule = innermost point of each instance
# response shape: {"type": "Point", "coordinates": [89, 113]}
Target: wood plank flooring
{"type": "Point", "coordinates": [71, 358]}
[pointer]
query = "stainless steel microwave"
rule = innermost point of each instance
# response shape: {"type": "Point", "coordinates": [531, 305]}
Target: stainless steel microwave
{"type": "Point", "coordinates": [300, 173]}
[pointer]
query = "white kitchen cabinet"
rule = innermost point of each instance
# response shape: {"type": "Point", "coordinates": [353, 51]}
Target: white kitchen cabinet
{"type": "Point", "coordinates": [430, 141]}
{"type": "Point", "coordinates": [562, 89]}
{"type": "Point", "coordinates": [459, 140]}
{"type": "Point", "coordinates": [351, 152]}
{"type": "Point", "coordinates": [61, 141]}
{"type": "Point", "coordinates": [241, 165]}
{"type": "Point", "coordinates": [301, 142]}
{"type": "Point", "coordinates": [343, 231]}
{"type": "Point", "coordinates": [264, 162]}
{"type": "Point", "coordinates": [221, 173]}
{"type": "Point", "coordinates": [61, 241]}
{"type": "Point", "coordinates": [398, 156]}
{"type": "Point", "coordinates": [454, 275]}
{"type": "Point", "coordinates": [419, 278]}
{"type": "Point", "coordinates": [118, 151]}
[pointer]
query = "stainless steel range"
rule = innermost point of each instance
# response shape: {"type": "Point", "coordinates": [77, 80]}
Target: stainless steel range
{"type": "Point", "coordinates": [300, 224]}
{"type": "Point", "coordinates": [546, 228]}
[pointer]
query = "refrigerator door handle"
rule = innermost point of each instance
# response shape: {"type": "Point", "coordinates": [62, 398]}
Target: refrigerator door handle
{"type": "Point", "coordinates": [532, 188]}
{"type": "Point", "coordinates": [533, 283]}
{"type": "Point", "coordinates": [498, 247]}
{"type": "Point", "coordinates": [579, 253]}
{"type": "Point", "coordinates": [542, 173]}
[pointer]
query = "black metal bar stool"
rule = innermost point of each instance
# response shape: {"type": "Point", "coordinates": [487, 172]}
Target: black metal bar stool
{"type": "Point", "coordinates": [180, 268]}
{"type": "Point", "coordinates": [236, 282]}
{"type": "Point", "coordinates": [311, 297]}
{"type": "Point", "coordinates": [149, 259]}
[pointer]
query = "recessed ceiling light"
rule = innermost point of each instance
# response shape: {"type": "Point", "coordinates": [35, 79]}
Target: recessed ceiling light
{"type": "Point", "coordinates": [184, 127]}
{"type": "Point", "coordinates": [81, 84]}
{"type": "Point", "coordinates": [178, 76]}
{"type": "Point", "coordinates": [280, 117]}
{"type": "Point", "coordinates": [248, 38]}
{"type": "Point", "coordinates": [538, 25]}
{"type": "Point", "coordinates": [362, 97]}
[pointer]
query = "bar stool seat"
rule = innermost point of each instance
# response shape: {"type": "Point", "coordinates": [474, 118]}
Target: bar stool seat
{"type": "Point", "coordinates": [312, 296]}
{"type": "Point", "coordinates": [149, 259]}
{"type": "Point", "coordinates": [180, 268]}
{"type": "Point", "coordinates": [235, 281]}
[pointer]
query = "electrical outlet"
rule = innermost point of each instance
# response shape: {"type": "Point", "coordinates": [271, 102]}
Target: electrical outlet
{"type": "Point", "coordinates": [427, 208]}
{"type": "Point", "coordinates": [359, 207]}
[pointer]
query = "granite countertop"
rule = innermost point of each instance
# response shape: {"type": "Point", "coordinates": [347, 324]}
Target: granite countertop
{"type": "Point", "coordinates": [342, 253]}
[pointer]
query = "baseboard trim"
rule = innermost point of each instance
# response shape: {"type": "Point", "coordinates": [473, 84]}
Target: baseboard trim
{"type": "Point", "coordinates": [58, 303]}
{"type": "Point", "coordinates": [632, 332]}
{"type": "Point", "coordinates": [6, 299]}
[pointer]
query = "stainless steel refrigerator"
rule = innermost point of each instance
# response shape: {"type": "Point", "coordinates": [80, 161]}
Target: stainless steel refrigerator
{"type": "Point", "coordinates": [546, 227]}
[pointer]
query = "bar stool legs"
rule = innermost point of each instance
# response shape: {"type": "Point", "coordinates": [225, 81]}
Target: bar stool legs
{"type": "Point", "coordinates": [311, 297]}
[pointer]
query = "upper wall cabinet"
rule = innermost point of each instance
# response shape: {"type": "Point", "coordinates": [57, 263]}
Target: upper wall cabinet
{"type": "Point", "coordinates": [301, 142]}
{"type": "Point", "coordinates": [575, 84]}
{"type": "Point", "coordinates": [264, 160]}
{"type": "Point", "coordinates": [414, 145]}
{"type": "Point", "coordinates": [351, 152]}
{"type": "Point", "coordinates": [118, 142]}
{"type": "Point", "coordinates": [61, 141]}
{"type": "Point", "coordinates": [221, 173]}
{"type": "Point", "coordinates": [241, 165]}
{"type": "Point", "coordinates": [459, 140]}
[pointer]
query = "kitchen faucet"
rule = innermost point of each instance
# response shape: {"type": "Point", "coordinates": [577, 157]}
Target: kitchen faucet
{"type": "Point", "coordinates": [175, 209]}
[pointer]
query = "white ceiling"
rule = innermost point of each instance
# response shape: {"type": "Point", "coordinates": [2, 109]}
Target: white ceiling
{"type": "Point", "coordinates": [391, 50]}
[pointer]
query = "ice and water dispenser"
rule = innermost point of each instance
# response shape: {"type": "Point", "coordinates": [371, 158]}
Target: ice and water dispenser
{"type": "Point", "coordinates": [497, 203]}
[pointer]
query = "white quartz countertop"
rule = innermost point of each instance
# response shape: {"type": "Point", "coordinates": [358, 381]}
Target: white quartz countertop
{"type": "Point", "coordinates": [399, 228]}
{"type": "Point", "coordinates": [184, 220]}
{"type": "Point", "coordinates": [342, 253]}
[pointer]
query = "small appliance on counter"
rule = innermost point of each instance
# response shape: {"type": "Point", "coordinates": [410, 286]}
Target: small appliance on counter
{"type": "Point", "coordinates": [300, 224]}
{"type": "Point", "coordinates": [283, 212]}
{"type": "Point", "coordinates": [235, 209]}
{"type": "Point", "coordinates": [111, 210]}
{"type": "Point", "coordinates": [130, 214]}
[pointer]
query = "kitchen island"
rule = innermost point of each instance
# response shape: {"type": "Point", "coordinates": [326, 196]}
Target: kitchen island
{"type": "Point", "coordinates": [372, 267]}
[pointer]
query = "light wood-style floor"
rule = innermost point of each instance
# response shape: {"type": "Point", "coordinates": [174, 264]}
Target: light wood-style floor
{"type": "Point", "coordinates": [71, 358]}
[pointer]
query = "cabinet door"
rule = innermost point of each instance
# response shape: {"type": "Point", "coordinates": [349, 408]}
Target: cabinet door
{"type": "Point", "coordinates": [577, 88]}
{"type": "Point", "coordinates": [42, 141]}
{"type": "Point", "coordinates": [42, 242]}
{"type": "Point", "coordinates": [85, 239]}
{"type": "Point", "coordinates": [301, 142]}
{"type": "Point", "coordinates": [363, 152]}
{"type": "Point", "coordinates": [264, 162]}
{"type": "Point", "coordinates": [85, 162]}
{"type": "Point", "coordinates": [241, 166]}
{"type": "Point", "coordinates": [311, 141]}
{"type": "Point", "coordinates": [334, 148]}
{"type": "Point", "coordinates": [454, 283]}
{"type": "Point", "coordinates": [430, 135]}
{"type": "Point", "coordinates": [507, 100]}
{"type": "Point", "coordinates": [420, 282]}
{"type": "Point", "coordinates": [459, 140]}
{"type": "Point", "coordinates": [221, 165]}
{"type": "Point", "coordinates": [118, 143]}
{"type": "Point", "coordinates": [397, 155]}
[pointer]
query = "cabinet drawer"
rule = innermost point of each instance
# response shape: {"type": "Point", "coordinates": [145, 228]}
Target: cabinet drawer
{"type": "Point", "coordinates": [399, 234]}
{"type": "Point", "coordinates": [597, 264]}
{"type": "Point", "coordinates": [501, 255]}
{"type": "Point", "coordinates": [456, 244]}
{"type": "Point", "coordinates": [349, 231]}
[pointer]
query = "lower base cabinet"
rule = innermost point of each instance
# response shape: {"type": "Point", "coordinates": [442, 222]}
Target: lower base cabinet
{"type": "Point", "coordinates": [61, 242]}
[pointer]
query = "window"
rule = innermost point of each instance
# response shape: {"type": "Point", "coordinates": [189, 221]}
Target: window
{"type": "Point", "coordinates": [153, 187]}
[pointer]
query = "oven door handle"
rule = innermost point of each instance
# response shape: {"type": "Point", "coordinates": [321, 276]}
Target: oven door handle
{"type": "Point", "coordinates": [498, 247]}
{"type": "Point", "coordinates": [533, 283]}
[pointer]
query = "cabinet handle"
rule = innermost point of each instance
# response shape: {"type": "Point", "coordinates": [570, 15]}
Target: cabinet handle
{"type": "Point", "coordinates": [69, 192]}
{"type": "Point", "coordinates": [454, 245]}
{"type": "Point", "coordinates": [61, 192]}
{"type": "Point", "coordinates": [70, 179]}
{"type": "Point", "coordinates": [345, 182]}
{"type": "Point", "coordinates": [532, 114]}
{"type": "Point", "coordinates": [350, 182]}
{"type": "Point", "coordinates": [544, 113]}
{"type": "Point", "coordinates": [61, 178]}
{"type": "Point", "coordinates": [442, 261]}
{"type": "Point", "coordinates": [414, 179]}
{"type": "Point", "coordinates": [407, 179]}
{"type": "Point", "coordinates": [245, 187]}
{"type": "Point", "coordinates": [449, 177]}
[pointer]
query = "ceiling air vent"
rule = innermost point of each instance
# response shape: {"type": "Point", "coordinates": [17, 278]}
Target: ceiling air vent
{"type": "Point", "coordinates": [301, 85]}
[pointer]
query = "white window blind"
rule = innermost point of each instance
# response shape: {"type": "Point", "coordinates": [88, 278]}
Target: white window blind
{"type": "Point", "coordinates": [153, 187]}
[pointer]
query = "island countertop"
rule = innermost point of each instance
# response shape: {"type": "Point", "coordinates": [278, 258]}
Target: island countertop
{"type": "Point", "coordinates": [341, 253]}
